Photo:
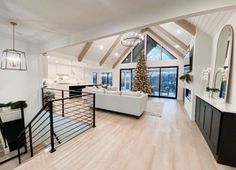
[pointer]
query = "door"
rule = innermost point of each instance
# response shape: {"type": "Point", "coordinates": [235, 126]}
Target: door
{"type": "Point", "coordinates": [126, 80]}
{"type": "Point", "coordinates": [154, 79]}
{"type": "Point", "coordinates": [168, 82]}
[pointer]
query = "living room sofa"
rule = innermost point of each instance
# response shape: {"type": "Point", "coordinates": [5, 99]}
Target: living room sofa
{"type": "Point", "coordinates": [131, 103]}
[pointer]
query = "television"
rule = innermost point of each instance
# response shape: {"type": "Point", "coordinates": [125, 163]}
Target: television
{"type": "Point", "coordinates": [188, 59]}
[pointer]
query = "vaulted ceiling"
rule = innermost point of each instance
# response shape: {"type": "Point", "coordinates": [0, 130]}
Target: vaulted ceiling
{"type": "Point", "coordinates": [176, 39]}
{"type": "Point", "coordinates": [56, 24]}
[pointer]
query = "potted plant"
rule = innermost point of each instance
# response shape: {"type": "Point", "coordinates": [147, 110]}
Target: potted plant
{"type": "Point", "coordinates": [47, 96]}
{"type": "Point", "coordinates": [186, 77]}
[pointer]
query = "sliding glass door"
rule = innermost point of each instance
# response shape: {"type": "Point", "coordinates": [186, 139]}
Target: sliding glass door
{"type": "Point", "coordinates": [154, 78]}
{"type": "Point", "coordinates": [163, 81]}
{"type": "Point", "coordinates": [168, 82]}
{"type": "Point", "coordinates": [126, 80]}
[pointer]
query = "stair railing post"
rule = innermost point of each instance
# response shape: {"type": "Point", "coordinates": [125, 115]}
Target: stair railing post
{"type": "Point", "coordinates": [30, 141]}
{"type": "Point", "coordinates": [42, 96]}
{"type": "Point", "coordinates": [18, 151]}
{"type": "Point", "coordinates": [94, 123]}
{"type": "Point", "coordinates": [51, 126]}
{"type": "Point", "coordinates": [62, 102]}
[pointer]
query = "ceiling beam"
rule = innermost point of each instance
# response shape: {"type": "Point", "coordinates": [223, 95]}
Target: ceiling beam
{"type": "Point", "coordinates": [173, 49]}
{"type": "Point", "coordinates": [172, 38]}
{"type": "Point", "coordinates": [126, 51]}
{"type": "Point", "coordinates": [186, 26]}
{"type": "Point", "coordinates": [121, 57]}
{"type": "Point", "coordinates": [85, 50]}
{"type": "Point", "coordinates": [110, 50]}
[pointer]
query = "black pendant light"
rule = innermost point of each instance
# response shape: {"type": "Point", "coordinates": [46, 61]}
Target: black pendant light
{"type": "Point", "coordinates": [13, 59]}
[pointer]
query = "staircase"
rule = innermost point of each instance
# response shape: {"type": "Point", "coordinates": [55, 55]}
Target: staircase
{"type": "Point", "coordinates": [62, 118]}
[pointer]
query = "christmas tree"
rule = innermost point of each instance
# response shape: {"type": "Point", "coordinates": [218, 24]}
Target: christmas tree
{"type": "Point", "coordinates": [141, 81]}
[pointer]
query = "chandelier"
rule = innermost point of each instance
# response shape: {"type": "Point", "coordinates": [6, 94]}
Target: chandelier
{"type": "Point", "coordinates": [13, 59]}
{"type": "Point", "coordinates": [131, 39]}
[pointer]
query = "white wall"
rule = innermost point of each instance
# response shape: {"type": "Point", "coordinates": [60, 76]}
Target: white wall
{"type": "Point", "coordinates": [22, 85]}
{"type": "Point", "coordinates": [202, 43]}
{"type": "Point", "coordinates": [232, 84]}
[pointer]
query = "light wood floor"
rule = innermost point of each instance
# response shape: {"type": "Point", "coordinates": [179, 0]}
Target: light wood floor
{"type": "Point", "coordinates": [120, 142]}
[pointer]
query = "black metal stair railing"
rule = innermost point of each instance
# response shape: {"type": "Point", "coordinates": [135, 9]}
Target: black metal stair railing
{"type": "Point", "coordinates": [61, 118]}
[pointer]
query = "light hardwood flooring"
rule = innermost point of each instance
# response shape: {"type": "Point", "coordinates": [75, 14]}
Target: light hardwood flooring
{"type": "Point", "coordinates": [119, 142]}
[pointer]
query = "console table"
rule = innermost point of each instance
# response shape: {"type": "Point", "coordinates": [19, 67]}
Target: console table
{"type": "Point", "coordinates": [217, 123]}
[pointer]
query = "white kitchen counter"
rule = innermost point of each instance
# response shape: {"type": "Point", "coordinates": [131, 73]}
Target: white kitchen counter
{"type": "Point", "coordinates": [219, 104]}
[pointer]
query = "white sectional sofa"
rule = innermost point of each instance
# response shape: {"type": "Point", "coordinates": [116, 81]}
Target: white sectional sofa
{"type": "Point", "coordinates": [131, 103]}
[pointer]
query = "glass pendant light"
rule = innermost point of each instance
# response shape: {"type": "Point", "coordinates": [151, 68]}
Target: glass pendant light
{"type": "Point", "coordinates": [13, 59]}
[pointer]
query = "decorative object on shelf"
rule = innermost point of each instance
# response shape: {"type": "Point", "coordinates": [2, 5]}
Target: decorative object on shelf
{"type": "Point", "coordinates": [131, 39]}
{"type": "Point", "coordinates": [186, 77]}
{"type": "Point", "coordinates": [223, 62]}
{"type": "Point", "coordinates": [141, 81]}
{"type": "Point", "coordinates": [13, 59]}
{"type": "Point", "coordinates": [206, 75]}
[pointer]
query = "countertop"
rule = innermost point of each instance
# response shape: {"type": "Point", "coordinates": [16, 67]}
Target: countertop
{"type": "Point", "coordinates": [219, 104]}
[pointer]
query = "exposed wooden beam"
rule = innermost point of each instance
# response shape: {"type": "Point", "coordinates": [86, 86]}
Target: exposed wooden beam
{"type": "Point", "coordinates": [173, 49]}
{"type": "Point", "coordinates": [121, 57]}
{"type": "Point", "coordinates": [186, 26]}
{"type": "Point", "coordinates": [110, 50]}
{"type": "Point", "coordinates": [126, 51]}
{"type": "Point", "coordinates": [172, 38]}
{"type": "Point", "coordinates": [84, 50]}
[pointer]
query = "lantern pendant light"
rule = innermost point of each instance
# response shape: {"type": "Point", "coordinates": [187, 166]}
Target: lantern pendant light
{"type": "Point", "coordinates": [13, 59]}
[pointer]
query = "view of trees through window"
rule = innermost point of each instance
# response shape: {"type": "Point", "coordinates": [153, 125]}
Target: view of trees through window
{"type": "Point", "coordinates": [154, 52]}
{"type": "Point", "coordinates": [106, 78]}
{"type": "Point", "coordinates": [163, 81]}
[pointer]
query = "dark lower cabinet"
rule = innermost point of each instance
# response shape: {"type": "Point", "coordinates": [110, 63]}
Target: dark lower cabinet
{"type": "Point", "coordinates": [219, 131]}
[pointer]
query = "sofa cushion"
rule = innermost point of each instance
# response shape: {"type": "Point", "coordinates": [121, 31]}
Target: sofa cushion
{"type": "Point", "coordinates": [99, 90]}
{"type": "Point", "coordinates": [113, 92]}
{"type": "Point", "coordinates": [131, 93]}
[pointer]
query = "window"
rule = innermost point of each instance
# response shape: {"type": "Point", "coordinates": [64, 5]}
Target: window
{"type": "Point", "coordinates": [127, 59]}
{"type": "Point", "coordinates": [166, 55]}
{"type": "Point", "coordinates": [153, 50]}
{"type": "Point", "coordinates": [94, 77]}
{"type": "Point", "coordinates": [163, 81]}
{"type": "Point", "coordinates": [137, 51]}
{"type": "Point", "coordinates": [106, 78]}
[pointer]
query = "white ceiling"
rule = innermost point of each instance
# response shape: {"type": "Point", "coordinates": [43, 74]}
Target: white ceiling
{"type": "Point", "coordinates": [58, 23]}
{"type": "Point", "coordinates": [211, 23]}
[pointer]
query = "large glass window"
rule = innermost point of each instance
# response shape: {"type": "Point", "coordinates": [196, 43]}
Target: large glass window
{"type": "Point", "coordinates": [137, 51]}
{"type": "Point", "coordinates": [153, 50]}
{"type": "Point", "coordinates": [168, 82]}
{"type": "Point", "coordinates": [166, 55]}
{"type": "Point", "coordinates": [163, 81]}
{"type": "Point", "coordinates": [94, 77]}
{"type": "Point", "coordinates": [127, 59]}
{"type": "Point", "coordinates": [106, 78]}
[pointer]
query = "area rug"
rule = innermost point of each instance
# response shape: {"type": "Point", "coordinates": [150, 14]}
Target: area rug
{"type": "Point", "coordinates": [154, 108]}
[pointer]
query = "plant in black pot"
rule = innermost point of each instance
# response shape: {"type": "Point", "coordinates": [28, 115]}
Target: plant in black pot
{"type": "Point", "coordinates": [186, 77]}
{"type": "Point", "coordinates": [18, 104]}
{"type": "Point", "coordinates": [47, 96]}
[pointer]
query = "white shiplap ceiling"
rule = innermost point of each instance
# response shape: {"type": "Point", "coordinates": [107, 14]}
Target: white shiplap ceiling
{"type": "Point", "coordinates": [212, 22]}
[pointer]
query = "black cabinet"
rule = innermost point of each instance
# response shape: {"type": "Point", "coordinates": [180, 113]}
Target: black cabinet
{"type": "Point", "coordinates": [219, 131]}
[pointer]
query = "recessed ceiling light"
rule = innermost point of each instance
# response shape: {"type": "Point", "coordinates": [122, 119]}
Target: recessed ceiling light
{"type": "Point", "coordinates": [56, 62]}
{"type": "Point", "coordinates": [176, 46]}
{"type": "Point", "coordinates": [116, 54]}
{"type": "Point", "coordinates": [179, 31]}
{"type": "Point", "coordinates": [101, 47]}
